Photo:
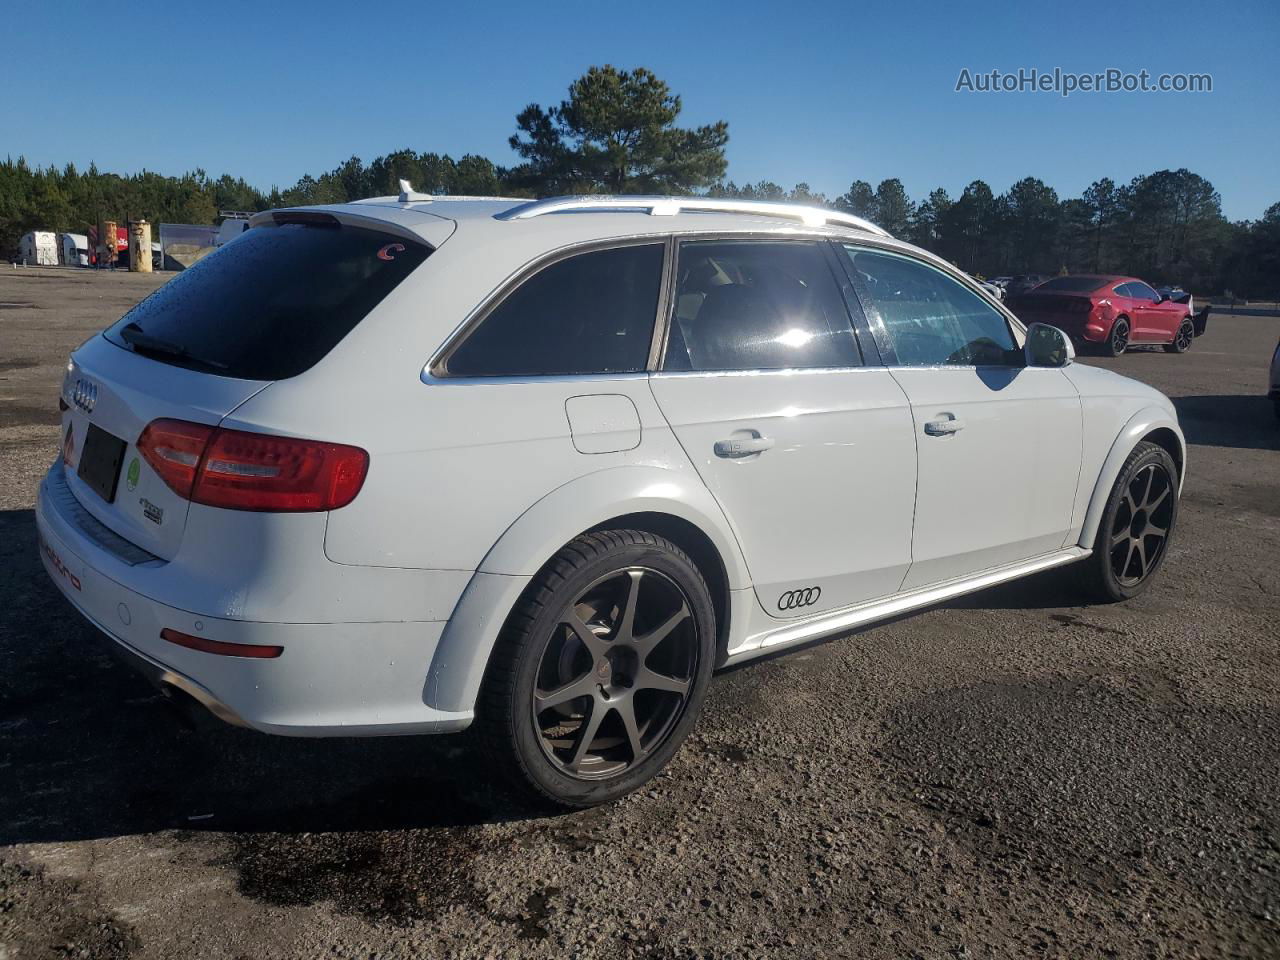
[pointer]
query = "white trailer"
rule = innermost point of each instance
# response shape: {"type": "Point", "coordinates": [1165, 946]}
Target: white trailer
{"type": "Point", "coordinates": [39, 248]}
{"type": "Point", "coordinates": [74, 249]}
{"type": "Point", "coordinates": [229, 229]}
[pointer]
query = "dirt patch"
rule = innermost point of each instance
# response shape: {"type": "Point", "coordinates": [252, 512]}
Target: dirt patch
{"type": "Point", "coordinates": [1079, 789]}
{"type": "Point", "coordinates": [24, 414]}
{"type": "Point", "coordinates": [45, 917]}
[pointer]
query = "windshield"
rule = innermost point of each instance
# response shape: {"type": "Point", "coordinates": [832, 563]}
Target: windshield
{"type": "Point", "coordinates": [270, 304]}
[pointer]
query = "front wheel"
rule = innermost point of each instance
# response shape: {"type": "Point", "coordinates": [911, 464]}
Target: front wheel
{"type": "Point", "coordinates": [601, 669]}
{"type": "Point", "coordinates": [1182, 339]}
{"type": "Point", "coordinates": [1133, 535]}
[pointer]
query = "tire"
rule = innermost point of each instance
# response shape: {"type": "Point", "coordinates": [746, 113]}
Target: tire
{"type": "Point", "coordinates": [570, 667]}
{"type": "Point", "coordinates": [1182, 339]}
{"type": "Point", "coordinates": [1117, 569]}
{"type": "Point", "coordinates": [1118, 339]}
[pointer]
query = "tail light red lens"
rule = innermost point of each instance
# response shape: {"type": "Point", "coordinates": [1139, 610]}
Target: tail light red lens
{"type": "Point", "coordinates": [173, 448]}
{"type": "Point", "coordinates": [252, 471]}
{"type": "Point", "coordinates": [240, 470]}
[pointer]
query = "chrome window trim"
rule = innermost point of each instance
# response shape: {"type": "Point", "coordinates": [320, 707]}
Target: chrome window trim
{"type": "Point", "coordinates": [436, 371]}
{"type": "Point", "coordinates": [763, 372]}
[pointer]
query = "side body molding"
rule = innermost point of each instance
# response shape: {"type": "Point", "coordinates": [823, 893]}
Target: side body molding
{"type": "Point", "coordinates": [1143, 422]}
{"type": "Point", "coordinates": [457, 668]}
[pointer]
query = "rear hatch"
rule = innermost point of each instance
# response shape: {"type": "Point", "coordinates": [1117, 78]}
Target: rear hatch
{"type": "Point", "coordinates": [1066, 310]}
{"type": "Point", "coordinates": [264, 307]}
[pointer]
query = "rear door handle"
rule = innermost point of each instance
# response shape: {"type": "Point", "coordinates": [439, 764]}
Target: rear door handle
{"type": "Point", "coordinates": [742, 446]}
{"type": "Point", "coordinates": [943, 428]}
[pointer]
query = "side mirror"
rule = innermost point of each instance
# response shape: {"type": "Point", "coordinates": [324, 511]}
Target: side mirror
{"type": "Point", "coordinates": [1163, 297]}
{"type": "Point", "coordinates": [1048, 347]}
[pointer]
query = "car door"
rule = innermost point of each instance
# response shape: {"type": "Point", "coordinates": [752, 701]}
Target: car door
{"type": "Point", "coordinates": [809, 451]}
{"type": "Point", "coordinates": [999, 442]}
{"type": "Point", "coordinates": [1150, 319]}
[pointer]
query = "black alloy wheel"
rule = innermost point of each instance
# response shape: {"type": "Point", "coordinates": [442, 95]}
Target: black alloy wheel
{"type": "Point", "coordinates": [1182, 339]}
{"type": "Point", "coordinates": [1140, 527]}
{"type": "Point", "coordinates": [1118, 341]}
{"type": "Point", "coordinates": [614, 678]}
{"type": "Point", "coordinates": [601, 669]}
{"type": "Point", "coordinates": [1133, 535]}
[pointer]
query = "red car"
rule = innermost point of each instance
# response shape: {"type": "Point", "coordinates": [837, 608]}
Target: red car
{"type": "Point", "coordinates": [1108, 313]}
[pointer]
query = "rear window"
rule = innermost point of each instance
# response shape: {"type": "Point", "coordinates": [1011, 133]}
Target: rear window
{"type": "Point", "coordinates": [1071, 284]}
{"type": "Point", "coordinates": [271, 304]}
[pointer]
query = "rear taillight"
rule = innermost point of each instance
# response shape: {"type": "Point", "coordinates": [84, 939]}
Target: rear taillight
{"type": "Point", "coordinates": [252, 471]}
{"type": "Point", "coordinates": [173, 448]}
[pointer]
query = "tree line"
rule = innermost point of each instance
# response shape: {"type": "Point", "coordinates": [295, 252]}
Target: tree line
{"type": "Point", "coordinates": [617, 132]}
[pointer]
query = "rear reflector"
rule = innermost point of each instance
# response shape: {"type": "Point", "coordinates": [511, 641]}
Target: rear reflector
{"type": "Point", "coordinates": [252, 471]}
{"type": "Point", "coordinates": [221, 648]}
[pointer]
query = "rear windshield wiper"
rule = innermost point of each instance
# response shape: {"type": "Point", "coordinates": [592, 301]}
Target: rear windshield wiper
{"type": "Point", "coordinates": [146, 344]}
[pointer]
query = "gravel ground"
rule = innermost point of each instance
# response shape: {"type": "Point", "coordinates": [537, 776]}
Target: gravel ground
{"type": "Point", "coordinates": [1008, 775]}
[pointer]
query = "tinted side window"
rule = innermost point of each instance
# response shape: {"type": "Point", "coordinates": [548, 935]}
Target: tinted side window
{"type": "Point", "coordinates": [757, 305]}
{"type": "Point", "coordinates": [1124, 289]}
{"type": "Point", "coordinates": [1143, 292]}
{"type": "Point", "coordinates": [589, 313]}
{"type": "Point", "coordinates": [930, 319]}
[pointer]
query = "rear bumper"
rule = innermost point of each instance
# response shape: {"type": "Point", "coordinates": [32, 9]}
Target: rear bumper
{"type": "Point", "coordinates": [333, 679]}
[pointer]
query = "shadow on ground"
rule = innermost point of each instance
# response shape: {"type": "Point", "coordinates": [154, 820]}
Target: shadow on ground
{"type": "Point", "coordinates": [1245, 422]}
{"type": "Point", "coordinates": [89, 749]}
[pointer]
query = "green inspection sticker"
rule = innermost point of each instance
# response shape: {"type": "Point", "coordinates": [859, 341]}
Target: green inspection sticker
{"type": "Point", "coordinates": [131, 478]}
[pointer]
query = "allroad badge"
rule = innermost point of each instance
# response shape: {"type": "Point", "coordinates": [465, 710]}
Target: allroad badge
{"type": "Point", "coordinates": [151, 511]}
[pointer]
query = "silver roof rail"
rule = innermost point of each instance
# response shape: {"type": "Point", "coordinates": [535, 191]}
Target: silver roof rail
{"type": "Point", "coordinates": [670, 206]}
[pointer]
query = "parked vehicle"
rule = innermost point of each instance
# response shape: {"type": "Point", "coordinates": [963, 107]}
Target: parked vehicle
{"type": "Point", "coordinates": [991, 288]}
{"type": "Point", "coordinates": [1274, 391]}
{"type": "Point", "coordinates": [122, 247]}
{"type": "Point", "coordinates": [1108, 313]}
{"type": "Point", "coordinates": [1177, 295]}
{"type": "Point", "coordinates": [1022, 283]}
{"type": "Point", "coordinates": [39, 248]}
{"type": "Point", "coordinates": [73, 249]}
{"type": "Point", "coordinates": [229, 229]}
{"type": "Point", "coordinates": [543, 466]}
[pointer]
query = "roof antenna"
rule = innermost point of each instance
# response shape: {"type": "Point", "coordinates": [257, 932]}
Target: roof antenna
{"type": "Point", "coordinates": [409, 195]}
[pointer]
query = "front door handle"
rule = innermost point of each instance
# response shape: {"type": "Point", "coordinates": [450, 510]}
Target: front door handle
{"type": "Point", "coordinates": [943, 428]}
{"type": "Point", "coordinates": [736, 447]}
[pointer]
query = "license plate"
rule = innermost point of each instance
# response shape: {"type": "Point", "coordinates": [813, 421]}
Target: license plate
{"type": "Point", "coordinates": [100, 462]}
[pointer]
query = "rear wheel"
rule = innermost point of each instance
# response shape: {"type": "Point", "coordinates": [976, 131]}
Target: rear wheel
{"type": "Point", "coordinates": [1182, 339]}
{"type": "Point", "coordinates": [1118, 341]}
{"type": "Point", "coordinates": [601, 669]}
{"type": "Point", "coordinates": [1133, 536]}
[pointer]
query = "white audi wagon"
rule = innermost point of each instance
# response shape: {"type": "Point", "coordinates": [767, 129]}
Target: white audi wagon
{"type": "Point", "coordinates": [416, 463]}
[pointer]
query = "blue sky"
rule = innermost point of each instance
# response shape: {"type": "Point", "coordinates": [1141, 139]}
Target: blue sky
{"type": "Point", "coordinates": [819, 92]}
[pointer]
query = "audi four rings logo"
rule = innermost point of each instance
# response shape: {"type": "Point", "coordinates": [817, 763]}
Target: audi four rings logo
{"type": "Point", "coordinates": [805, 597]}
{"type": "Point", "coordinates": [84, 395]}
